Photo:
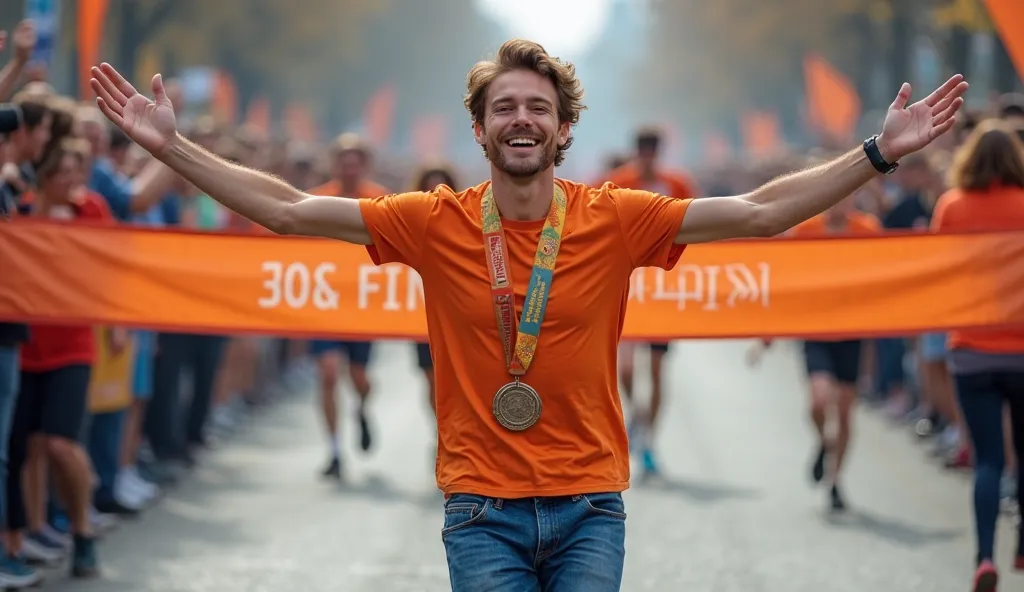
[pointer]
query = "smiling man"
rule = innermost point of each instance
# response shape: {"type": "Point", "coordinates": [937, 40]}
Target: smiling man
{"type": "Point", "coordinates": [526, 278]}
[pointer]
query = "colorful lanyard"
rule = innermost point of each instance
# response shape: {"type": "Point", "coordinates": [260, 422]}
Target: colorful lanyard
{"type": "Point", "coordinates": [522, 340]}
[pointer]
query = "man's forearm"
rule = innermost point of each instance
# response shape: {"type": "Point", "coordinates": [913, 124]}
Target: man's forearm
{"type": "Point", "coordinates": [9, 77]}
{"type": "Point", "coordinates": [796, 197]}
{"type": "Point", "coordinates": [257, 196]}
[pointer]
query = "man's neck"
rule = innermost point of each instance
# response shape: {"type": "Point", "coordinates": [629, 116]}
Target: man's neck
{"type": "Point", "coordinates": [523, 199]}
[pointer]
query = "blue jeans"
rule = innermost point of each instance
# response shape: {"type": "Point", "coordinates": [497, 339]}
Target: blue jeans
{"type": "Point", "coordinates": [982, 396]}
{"type": "Point", "coordinates": [890, 374]}
{"type": "Point", "coordinates": [104, 446]}
{"type": "Point", "coordinates": [555, 544]}
{"type": "Point", "coordinates": [9, 376]}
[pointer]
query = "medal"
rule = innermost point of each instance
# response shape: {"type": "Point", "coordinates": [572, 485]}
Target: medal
{"type": "Point", "coordinates": [517, 406]}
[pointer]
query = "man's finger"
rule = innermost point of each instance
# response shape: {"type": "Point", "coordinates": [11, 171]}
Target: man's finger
{"type": "Point", "coordinates": [948, 112]}
{"type": "Point", "coordinates": [902, 97]}
{"type": "Point", "coordinates": [103, 91]}
{"type": "Point", "coordinates": [112, 94]}
{"type": "Point", "coordinates": [109, 113]}
{"type": "Point", "coordinates": [941, 92]}
{"type": "Point", "coordinates": [115, 77]}
{"type": "Point", "coordinates": [159, 92]}
{"type": "Point", "coordinates": [941, 129]}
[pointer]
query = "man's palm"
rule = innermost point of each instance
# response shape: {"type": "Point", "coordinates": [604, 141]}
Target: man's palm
{"type": "Point", "coordinates": [149, 123]}
{"type": "Point", "coordinates": [909, 129]}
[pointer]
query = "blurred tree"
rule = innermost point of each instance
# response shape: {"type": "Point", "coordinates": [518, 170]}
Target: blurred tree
{"type": "Point", "coordinates": [270, 47]}
{"type": "Point", "coordinates": [725, 56]}
{"type": "Point", "coordinates": [425, 49]}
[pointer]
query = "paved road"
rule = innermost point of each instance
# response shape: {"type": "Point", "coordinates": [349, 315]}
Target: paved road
{"type": "Point", "coordinates": [738, 514]}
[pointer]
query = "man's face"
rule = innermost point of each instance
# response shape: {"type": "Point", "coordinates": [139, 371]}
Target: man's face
{"type": "Point", "coordinates": [29, 143]}
{"type": "Point", "coordinates": [646, 157]}
{"type": "Point", "coordinates": [58, 186]}
{"type": "Point", "coordinates": [349, 166]}
{"type": "Point", "coordinates": [521, 130]}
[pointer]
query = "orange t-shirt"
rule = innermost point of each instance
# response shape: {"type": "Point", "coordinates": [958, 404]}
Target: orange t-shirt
{"type": "Point", "coordinates": [673, 184]}
{"type": "Point", "coordinates": [1000, 208]}
{"type": "Point", "coordinates": [333, 188]}
{"type": "Point", "coordinates": [579, 444]}
{"type": "Point", "coordinates": [857, 223]}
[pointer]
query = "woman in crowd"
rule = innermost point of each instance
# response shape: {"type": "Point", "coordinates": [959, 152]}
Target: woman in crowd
{"type": "Point", "coordinates": [50, 416]}
{"type": "Point", "coordinates": [987, 193]}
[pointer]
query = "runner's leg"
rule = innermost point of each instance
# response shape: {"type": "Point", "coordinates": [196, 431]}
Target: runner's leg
{"type": "Point", "coordinates": [658, 351]}
{"type": "Point", "coordinates": [846, 361]}
{"type": "Point", "coordinates": [328, 354]}
{"type": "Point", "coordinates": [358, 360]}
{"type": "Point", "coordinates": [821, 379]}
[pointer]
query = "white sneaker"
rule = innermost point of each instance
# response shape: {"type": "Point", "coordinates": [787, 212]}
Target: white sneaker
{"type": "Point", "coordinates": [15, 575]}
{"type": "Point", "coordinates": [55, 535]}
{"type": "Point", "coordinates": [37, 553]}
{"type": "Point", "coordinates": [102, 523]}
{"type": "Point", "coordinates": [127, 495]}
{"type": "Point", "coordinates": [138, 482]}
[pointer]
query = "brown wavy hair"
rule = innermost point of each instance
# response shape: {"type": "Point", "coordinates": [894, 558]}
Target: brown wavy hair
{"type": "Point", "coordinates": [428, 170]}
{"type": "Point", "coordinates": [520, 54]}
{"type": "Point", "coordinates": [992, 156]}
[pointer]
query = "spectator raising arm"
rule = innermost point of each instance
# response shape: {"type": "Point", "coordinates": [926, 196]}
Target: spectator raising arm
{"type": "Point", "coordinates": [24, 41]}
{"type": "Point", "coordinates": [259, 197]}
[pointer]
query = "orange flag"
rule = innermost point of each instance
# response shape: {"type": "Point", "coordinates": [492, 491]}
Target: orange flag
{"type": "Point", "coordinates": [429, 136]}
{"type": "Point", "coordinates": [833, 103]}
{"type": "Point", "coordinates": [762, 135]}
{"type": "Point", "coordinates": [1008, 17]}
{"type": "Point", "coordinates": [379, 114]}
{"type": "Point", "coordinates": [224, 102]}
{"type": "Point", "coordinates": [299, 122]}
{"type": "Point", "coordinates": [717, 150]}
{"type": "Point", "coordinates": [91, 16]}
{"type": "Point", "coordinates": [258, 115]}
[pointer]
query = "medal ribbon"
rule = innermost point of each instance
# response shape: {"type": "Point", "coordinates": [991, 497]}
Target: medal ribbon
{"type": "Point", "coordinates": [520, 341]}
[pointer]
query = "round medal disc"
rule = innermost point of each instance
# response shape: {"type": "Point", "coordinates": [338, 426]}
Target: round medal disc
{"type": "Point", "coordinates": [517, 406]}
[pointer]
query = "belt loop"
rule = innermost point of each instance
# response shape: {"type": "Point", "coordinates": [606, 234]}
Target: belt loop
{"type": "Point", "coordinates": [498, 503]}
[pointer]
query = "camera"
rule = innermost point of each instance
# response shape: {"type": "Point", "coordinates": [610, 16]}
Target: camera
{"type": "Point", "coordinates": [10, 118]}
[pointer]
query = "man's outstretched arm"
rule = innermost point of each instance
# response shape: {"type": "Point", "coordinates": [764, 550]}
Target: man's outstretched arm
{"type": "Point", "coordinates": [789, 200]}
{"type": "Point", "coordinates": [260, 197]}
{"type": "Point", "coordinates": [265, 199]}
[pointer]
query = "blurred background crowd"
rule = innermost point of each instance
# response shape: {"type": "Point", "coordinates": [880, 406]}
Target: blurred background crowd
{"type": "Point", "coordinates": [725, 94]}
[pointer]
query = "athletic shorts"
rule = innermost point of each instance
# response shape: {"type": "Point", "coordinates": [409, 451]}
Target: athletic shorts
{"type": "Point", "coordinates": [838, 359]}
{"type": "Point", "coordinates": [423, 356]}
{"type": "Point", "coordinates": [357, 352]}
{"type": "Point", "coordinates": [55, 402]}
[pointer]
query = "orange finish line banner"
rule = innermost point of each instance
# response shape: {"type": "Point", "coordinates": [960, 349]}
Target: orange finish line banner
{"type": "Point", "coordinates": [273, 285]}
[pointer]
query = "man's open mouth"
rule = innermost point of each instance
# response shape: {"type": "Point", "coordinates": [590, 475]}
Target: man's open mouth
{"type": "Point", "coordinates": [521, 142]}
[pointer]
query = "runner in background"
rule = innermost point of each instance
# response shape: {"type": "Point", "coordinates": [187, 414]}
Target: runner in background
{"type": "Point", "coordinates": [646, 173]}
{"type": "Point", "coordinates": [987, 180]}
{"type": "Point", "coordinates": [350, 167]}
{"type": "Point", "coordinates": [833, 365]}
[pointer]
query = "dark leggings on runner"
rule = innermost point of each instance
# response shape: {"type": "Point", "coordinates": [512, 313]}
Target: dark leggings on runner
{"type": "Point", "coordinates": [982, 396]}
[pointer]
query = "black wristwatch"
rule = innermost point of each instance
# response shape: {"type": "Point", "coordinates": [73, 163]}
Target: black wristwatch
{"type": "Point", "coordinates": [875, 156]}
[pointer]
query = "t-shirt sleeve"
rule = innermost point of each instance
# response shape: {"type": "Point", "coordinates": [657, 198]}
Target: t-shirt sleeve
{"type": "Point", "coordinates": [650, 223]}
{"type": "Point", "coordinates": [397, 224]}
